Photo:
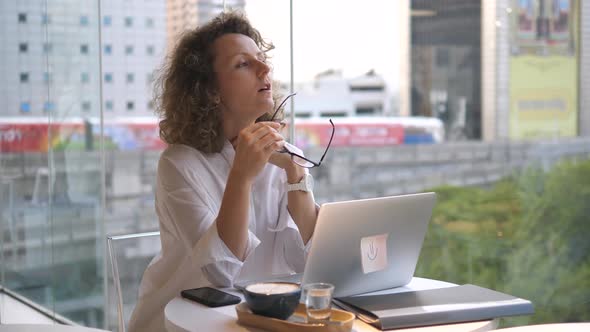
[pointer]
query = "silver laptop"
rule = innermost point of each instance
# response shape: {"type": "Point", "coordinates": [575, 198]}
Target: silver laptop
{"type": "Point", "coordinates": [366, 245]}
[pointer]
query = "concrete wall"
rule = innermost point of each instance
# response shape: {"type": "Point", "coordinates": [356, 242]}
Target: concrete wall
{"type": "Point", "coordinates": [361, 173]}
{"type": "Point", "coordinates": [488, 68]}
{"type": "Point", "coordinates": [502, 71]}
{"type": "Point", "coordinates": [346, 173]}
{"type": "Point", "coordinates": [403, 26]}
{"type": "Point", "coordinates": [584, 120]}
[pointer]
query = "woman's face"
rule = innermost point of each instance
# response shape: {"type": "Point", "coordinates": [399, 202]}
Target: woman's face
{"type": "Point", "coordinates": [243, 78]}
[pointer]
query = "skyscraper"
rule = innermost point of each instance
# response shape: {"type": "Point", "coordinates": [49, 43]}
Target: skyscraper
{"type": "Point", "coordinates": [51, 52]}
{"type": "Point", "coordinates": [187, 14]}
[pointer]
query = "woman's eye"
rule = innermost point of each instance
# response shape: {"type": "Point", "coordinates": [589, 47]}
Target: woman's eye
{"type": "Point", "coordinates": [242, 64]}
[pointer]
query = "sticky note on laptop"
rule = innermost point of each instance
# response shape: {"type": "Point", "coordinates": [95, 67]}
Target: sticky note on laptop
{"type": "Point", "coordinates": [374, 253]}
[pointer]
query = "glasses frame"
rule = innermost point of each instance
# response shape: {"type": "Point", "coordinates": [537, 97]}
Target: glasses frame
{"type": "Point", "coordinates": [314, 164]}
{"type": "Point", "coordinates": [293, 154]}
{"type": "Point", "coordinates": [281, 105]}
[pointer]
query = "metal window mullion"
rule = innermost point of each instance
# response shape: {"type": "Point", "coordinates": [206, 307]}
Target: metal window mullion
{"type": "Point", "coordinates": [292, 69]}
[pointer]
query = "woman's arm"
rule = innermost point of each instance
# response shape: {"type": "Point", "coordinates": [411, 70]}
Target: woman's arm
{"type": "Point", "coordinates": [232, 221]}
{"type": "Point", "coordinates": [301, 204]}
{"type": "Point", "coordinates": [254, 146]}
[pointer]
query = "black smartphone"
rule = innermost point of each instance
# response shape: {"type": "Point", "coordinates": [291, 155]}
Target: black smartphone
{"type": "Point", "coordinates": [210, 297]}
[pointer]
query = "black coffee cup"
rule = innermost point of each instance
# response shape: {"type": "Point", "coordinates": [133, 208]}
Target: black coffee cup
{"type": "Point", "coordinates": [273, 299]}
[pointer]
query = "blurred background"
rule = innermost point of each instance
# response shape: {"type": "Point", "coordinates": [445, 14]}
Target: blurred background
{"type": "Point", "coordinates": [484, 102]}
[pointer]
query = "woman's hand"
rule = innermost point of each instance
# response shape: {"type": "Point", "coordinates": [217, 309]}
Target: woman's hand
{"type": "Point", "coordinates": [254, 147]}
{"type": "Point", "coordinates": [282, 160]}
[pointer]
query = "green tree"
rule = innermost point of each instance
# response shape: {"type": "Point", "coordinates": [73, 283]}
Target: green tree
{"type": "Point", "coordinates": [528, 235]}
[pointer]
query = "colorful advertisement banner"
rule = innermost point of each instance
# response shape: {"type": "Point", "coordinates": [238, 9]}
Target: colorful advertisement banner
{"type": "Point", "coordinates": [543, 69]}
{"type": "Point", "coordinates": [33, 135]}
{"type": "Point", "coordinates": [348, 134]}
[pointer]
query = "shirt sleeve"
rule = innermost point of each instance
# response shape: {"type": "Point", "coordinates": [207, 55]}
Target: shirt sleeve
{"type": "Point", "coordinates": [193, 228]}
{"type": "Point", "coordinates": [289, 240]}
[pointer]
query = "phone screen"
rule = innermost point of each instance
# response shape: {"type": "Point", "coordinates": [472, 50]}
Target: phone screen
{"type": "Point", "coordinates": [210, 297]}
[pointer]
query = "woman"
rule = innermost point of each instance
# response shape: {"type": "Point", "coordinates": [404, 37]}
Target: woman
{"type": "Point", "coordinates": [224, 209]}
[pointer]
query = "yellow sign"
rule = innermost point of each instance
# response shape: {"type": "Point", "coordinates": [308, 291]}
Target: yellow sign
{"type": "Point", "coordinates": [543, 68]}
{"type": "Point", "coordinates": [543, 96]}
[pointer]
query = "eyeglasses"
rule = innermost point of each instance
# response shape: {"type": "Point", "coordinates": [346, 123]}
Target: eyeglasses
{"type": "Point", "coordinates": [297, 155]}
{"type": "Point", "coordinates": [295, 152]}
{"type": "Point", "coordinates": [281, 105]}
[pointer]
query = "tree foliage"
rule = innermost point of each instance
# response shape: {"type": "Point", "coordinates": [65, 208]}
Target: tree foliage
{"type": "Point", "coordinates": [528, 235]}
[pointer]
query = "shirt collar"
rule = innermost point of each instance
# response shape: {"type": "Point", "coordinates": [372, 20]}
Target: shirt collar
{"type": "Point", "coordinates": [228, 151]}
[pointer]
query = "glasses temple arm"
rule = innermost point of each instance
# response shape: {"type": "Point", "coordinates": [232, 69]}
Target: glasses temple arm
{"type": "Point", "coordinates": [281, 105]}
{"type": "Point", "coordinates": [329, 142]}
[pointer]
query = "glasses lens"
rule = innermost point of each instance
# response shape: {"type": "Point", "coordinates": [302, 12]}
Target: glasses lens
{"type": "Point", "coordinates": [314, 152]}
{"type": "Point", "coordinates": [301, 162]}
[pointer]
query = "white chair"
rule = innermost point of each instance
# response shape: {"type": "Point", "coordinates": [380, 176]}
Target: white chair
{"type": "Point", "coordinates": [130, 255]}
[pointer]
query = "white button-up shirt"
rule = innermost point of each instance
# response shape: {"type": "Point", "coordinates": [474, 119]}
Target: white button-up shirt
{"type": "Point", "coordinates": [189, 191]}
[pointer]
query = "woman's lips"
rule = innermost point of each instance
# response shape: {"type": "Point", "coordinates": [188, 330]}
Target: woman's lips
{"type": "Point", "coordinates": [266, 86]}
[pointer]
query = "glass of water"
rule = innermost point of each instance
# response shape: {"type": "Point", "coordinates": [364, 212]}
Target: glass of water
{"type": "Point", "coordinates": [318, 301]}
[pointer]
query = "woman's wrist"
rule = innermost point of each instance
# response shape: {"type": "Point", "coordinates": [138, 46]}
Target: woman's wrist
{"type": "Point", "coordinates": [294, 173]}
{"type": "Point", "coordinates": [237, 178]}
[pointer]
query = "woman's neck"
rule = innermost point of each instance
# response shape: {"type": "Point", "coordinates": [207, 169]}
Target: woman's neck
{"type": "Point", "coordinates": [232, 128]}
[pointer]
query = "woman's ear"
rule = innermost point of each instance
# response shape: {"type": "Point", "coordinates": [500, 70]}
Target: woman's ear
{"type": "Point", "coordinates": [216, 100]}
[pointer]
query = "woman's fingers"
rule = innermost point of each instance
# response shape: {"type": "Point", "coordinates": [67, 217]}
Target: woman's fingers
{"type": "Point", "coordinates": [253, 137]}
{"type": "Point", "coordinates": [261, 137]}
{"type": "Point", "coordinates": [260, 125]}
{"type": "Point", "coordinates": [275, 147]}
{"type": "Point", "coordinates": [255, 146]}
{"type": "Point", "coordinates": [273, 139]}
{"type": "Point", "coordinates": [264, 129]}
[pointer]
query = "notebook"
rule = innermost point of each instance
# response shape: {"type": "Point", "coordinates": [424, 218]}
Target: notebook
{"type": "Point", "coordinates": [436, 306]}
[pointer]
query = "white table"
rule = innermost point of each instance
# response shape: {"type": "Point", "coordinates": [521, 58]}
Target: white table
{"type": "Point", "coordinates": [46, 328]}
{"type": "Point", "coordinates": [184, 315]}
{"type": "Point", "coordinates": [564, 327]}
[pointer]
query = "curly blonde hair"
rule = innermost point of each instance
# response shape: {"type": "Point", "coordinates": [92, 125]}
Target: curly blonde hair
{"type": "Point", "coordinates": [186, 97]}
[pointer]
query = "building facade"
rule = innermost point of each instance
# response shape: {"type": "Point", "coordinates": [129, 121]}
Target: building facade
{"type": "Point", "coordinates": [188, 14]}
{"type": "Point", "coordinates": [37, 42]}
{"type": "Point", "coordinates": [133, 47]}
{"type": "Point", "coordinates": [332, 95]}
{"type": "Point", "coordinates": [499, 70]}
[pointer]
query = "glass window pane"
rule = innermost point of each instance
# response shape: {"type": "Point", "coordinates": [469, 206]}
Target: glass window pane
{"type": "Point", "coordinates": [478, 101]}
{"type": "Point", "coordinates": [25, 107]}
{"type": "Point", "coordinates": [106, 21]}
{"type": "Point", "coordinates": [84, 20]}
{"type": "Point", "coordinates": [483, 102]}
{"type": "Point", "coordinates": [50, 175]}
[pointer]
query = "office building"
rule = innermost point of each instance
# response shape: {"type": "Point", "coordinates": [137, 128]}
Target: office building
{"type": "Point", "coordinates": [498, 69]}
{"type": "Point", "coordinates": [187, 14]}
{"type": "Point", "coordinates": [332, 95]}
{"type": "Point", "coordinates": [38, 41]}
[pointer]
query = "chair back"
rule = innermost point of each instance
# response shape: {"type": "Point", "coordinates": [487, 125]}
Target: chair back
{"type": "Point", "coordinates": [129, 256]}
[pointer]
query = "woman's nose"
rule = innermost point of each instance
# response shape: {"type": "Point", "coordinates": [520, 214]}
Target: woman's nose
{"type": "Point", "coordinates": [264, 68]}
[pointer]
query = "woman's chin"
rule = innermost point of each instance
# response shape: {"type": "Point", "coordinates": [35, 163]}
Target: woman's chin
{"type": "Point", "coordinates": [266, 107]}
